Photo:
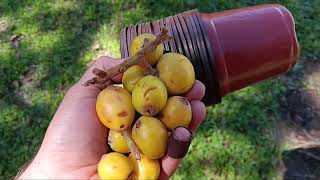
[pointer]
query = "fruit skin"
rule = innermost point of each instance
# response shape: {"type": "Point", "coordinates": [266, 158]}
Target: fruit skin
{"type": "Point", "coordinates": [114, 166]}
{"type": "Point", "coordinates": [176, 72]}
{"type": "Point", "coordinates": [117, 142]}
{"type": "Point", "coordinates": [149, 96]}
{"type": "Point", "coordinates": [146, 168]}
{"type": "Point", "coordinates": [138, 43]}
{"type": "Point", "coordinates": [150, 135]}
{"type": "Point", "coordinates": [177, 112]}
{"type": "Point", "coordinates": [114, 108]}
{"type": "Point", "coordinates": [131, 77]}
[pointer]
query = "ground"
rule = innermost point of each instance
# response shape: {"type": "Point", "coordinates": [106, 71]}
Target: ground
{"type": "Point", "coordinates": [300, 128]}
{"type": "Point", "coordinates": [252, 134]}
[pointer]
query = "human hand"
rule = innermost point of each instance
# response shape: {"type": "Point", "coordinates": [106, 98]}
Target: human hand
{"type": "Point", "coordinates": [75, 139]}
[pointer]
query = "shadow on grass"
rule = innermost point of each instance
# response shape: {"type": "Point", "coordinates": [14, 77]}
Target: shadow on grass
{"type": "Point", "coordinates": [302, 164]}
{"type": "Point", "coordinates": [11, 6]}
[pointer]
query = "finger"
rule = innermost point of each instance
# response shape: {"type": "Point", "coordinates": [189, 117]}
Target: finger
{"type": "Point", "coordinates": [198, 115]}
{"type": "Point", "coordinates": [196, 92]}
{"type": "Point", "coordinates": [178, 145]}
{"type": "Point", "coordinates": [168, 167]}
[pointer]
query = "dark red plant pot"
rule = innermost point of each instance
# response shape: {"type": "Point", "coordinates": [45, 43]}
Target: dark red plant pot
{"type": "Point", "coordinates": [251, 44]}
{"type": "Point", "coordinates": [229, 50]}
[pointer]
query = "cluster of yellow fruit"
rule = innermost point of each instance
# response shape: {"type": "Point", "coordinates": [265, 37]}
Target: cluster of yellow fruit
{"type": "Point", "coordinates": [116, 107]}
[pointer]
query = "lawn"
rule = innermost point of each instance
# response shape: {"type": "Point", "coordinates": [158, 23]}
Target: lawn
{"type": "Point", "coordinates": [46, 45]}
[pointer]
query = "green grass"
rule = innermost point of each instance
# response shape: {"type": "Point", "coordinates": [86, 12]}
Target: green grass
{"type": "Point", "coordinates": [59, 38]}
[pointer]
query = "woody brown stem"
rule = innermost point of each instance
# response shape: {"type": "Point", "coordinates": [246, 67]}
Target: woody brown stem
{"type": "Point", "coordinates": [132, 146]}
{"type": "Point", "coordinates": [137, 59]}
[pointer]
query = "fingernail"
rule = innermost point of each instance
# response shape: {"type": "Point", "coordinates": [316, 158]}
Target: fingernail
{"type": "Point", "coordinates": [179, 142]}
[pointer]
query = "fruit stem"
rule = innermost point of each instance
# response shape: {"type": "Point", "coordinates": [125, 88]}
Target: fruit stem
{"type": "Point", "coordinates": [132, 146]}
{"type": "Point", "coordinates": [104, 75]}
{"type": "Point", "coordinates": [149, 70]}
